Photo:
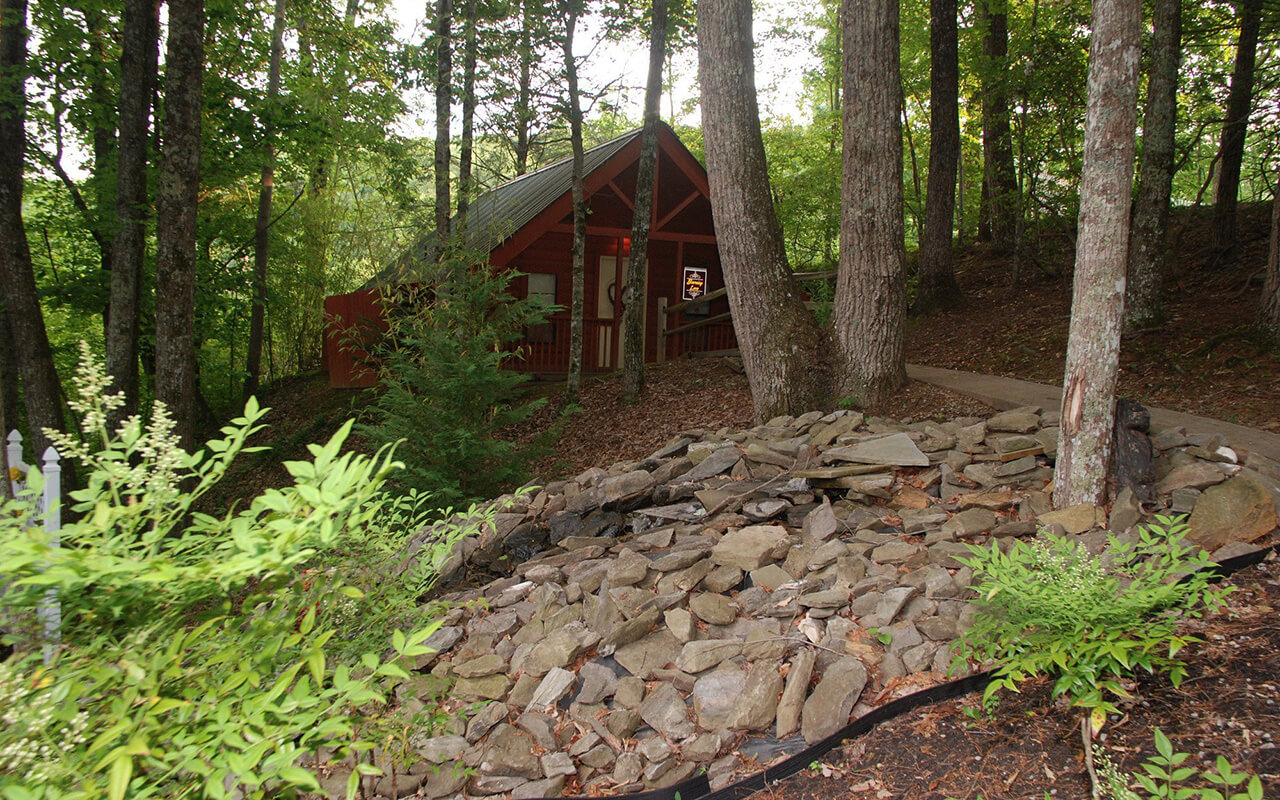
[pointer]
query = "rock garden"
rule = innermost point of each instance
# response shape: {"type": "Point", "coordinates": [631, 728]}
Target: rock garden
{"type": "Point", "coordinates": [738, 594]}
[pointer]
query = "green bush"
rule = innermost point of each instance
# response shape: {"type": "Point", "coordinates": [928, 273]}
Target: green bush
{"type": "Point", "coordinates": [445, 393]}
{"type": "Point", "coordinates": [1050, 607]}
{"type": "Point", "coordinates": [200, 655]}
{"type": "Point", "coordinates": [1163, 776]}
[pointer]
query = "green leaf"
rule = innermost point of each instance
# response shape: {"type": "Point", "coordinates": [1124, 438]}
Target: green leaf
{"type": "Point", "coordinates": [121, 772]}
{"type": "Point", "coordinates": [300, 777]}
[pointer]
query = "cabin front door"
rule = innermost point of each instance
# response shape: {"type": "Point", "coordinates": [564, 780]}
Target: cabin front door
{"type": "Point", "coordinates": [612, 277]}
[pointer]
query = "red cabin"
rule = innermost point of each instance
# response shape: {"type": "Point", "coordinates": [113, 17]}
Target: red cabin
{"type": "Point", "coordinates": [527, 225]}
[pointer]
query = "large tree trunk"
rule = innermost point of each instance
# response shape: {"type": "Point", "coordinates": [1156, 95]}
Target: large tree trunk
{"type": "Point", "coordinates": [633, 297]}
{"type": "Point", "coordinates": [444, 94]}
{"type": "Point", "coordinates": [262, 228]}
{"type": "Point", "coordinates": [574, 385]}
{"type": "Point", "coordinates": [138, 59]}
{"type": "Point", "coordinates": [1097, 304]}
{"type": "Point", "coordinates": [41, 392]}
{"type": "Point", "coordinates": [871, 286]}
{"type": "Point", "coordinates": [937, 287]}
{"type": "Point", "coordinates": [176, 226]}
{"type": "Point", "coordinates": [468, 111]}
{"type": "Point", "coordinates": [1143, 304]}
{"type": "Point", "coordinates": [786, 356]}
{"type": "Point", "coordinates": [9, 381]}
{"type": "Point", "coordinates": [1269, 312]}
{"type": "Point", "coordinates": [1234, 128]}
{"type": "Point", "coordinates": [1000, 181]}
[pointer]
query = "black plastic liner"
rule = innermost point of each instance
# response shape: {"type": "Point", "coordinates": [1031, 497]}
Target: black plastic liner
{"type": "Point", "coordinates": [698, 788]}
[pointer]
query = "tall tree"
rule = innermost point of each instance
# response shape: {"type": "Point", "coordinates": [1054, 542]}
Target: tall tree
{"type": "Point", "coordinates": [1234, 128]}
{"type": "Point", "coordinates": [41, 392]}
{"type": "Point", "coordinates": [936, 286]}
{"type": "Point", "coordinates": [444, 95]}
{"type": "Point", "coordinates": [1097, 304]}
{"type": "Point", "coordinates": [1000, 181]}
{"type": "Point", "coordinates": [785, 354]}
{"type": "Point", "coordinates": [176, 226]}
{"type": "Point", "coordinates": [524, 90]}
{"type": "Point", "coordinates": [871, 285]}
{"type": "Point", "coordinates": [138, 62]}
{"type": "Point", "coordinates": [633, 296]}
{"type": "Point", "coordinates": [465, 146]}
{"type": "Point", "coordinates": [577, 301]}
{"type": "Point", "coordinates": [262, 226]}
{"type": "Point", "coordinates": [1269, 311]}
{"type": "Point", "coordinates": [1143, 305]}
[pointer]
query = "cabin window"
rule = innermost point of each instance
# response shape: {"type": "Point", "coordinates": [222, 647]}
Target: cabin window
{"type": "Point", "coordinates": [542, 293]}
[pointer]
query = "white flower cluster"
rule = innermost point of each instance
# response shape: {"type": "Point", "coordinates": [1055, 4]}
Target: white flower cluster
{"type": "Point", "coordinates": [33, 741]}
{"type": "Point", "coordinates": [157, 469]}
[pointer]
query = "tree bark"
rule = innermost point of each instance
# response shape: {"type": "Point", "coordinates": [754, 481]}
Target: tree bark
{"type": "Point", "coordinates": [468, 110]}
{"type": "Point", "coordinates": [1147, 247]}
{"type": "Point", "coordinates": [1234, 128]}
{"type": "Point", "coordinates": [785, 355]}
{"type": "Point", "coordinates": [138, 60]}
{"type": "Point", "coordinates": [176, 227]}
{"type": "Point", "coordinates": [444, 95]}
{"type": "Point", "coordinates": [41, 392]}
{"type": "Point", "coordinates": [1269, 311]}
{"type": "Point", "coordinates": [1000, 182]}
{"type": "Point", "coordinates": [104, 138]}
{"type": "Point", "coordinates": [9, 381]}
{"type": "Point", "coordinates": [937, 286]}
{"type": "Point", "coordinates": [573, 386]}
{"type": "Point", "coordinates": [1093, 344]}
{"type": "Point", "coordinates": [633, 296]}
{"type": "Point", "coordinates": [870, 301]}
{"type": "Point", "coordinates": [262, 228]}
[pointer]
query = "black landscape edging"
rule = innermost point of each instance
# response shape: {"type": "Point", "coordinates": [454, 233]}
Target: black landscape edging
{"type": "Point", "coordinates": [698, 787]}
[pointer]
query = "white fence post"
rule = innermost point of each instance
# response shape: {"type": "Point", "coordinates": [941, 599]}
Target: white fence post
{"type": "Point", "coordinates": [49, 507]}
{"type": "Point", "coordinates": [50, 612]}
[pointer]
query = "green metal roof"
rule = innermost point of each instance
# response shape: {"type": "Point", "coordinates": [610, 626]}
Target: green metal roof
{"type": "Point", "coordinates": [497, 214]}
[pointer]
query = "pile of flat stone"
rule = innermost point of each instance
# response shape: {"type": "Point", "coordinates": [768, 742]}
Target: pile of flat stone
{"type": "Point", "coordinates": [736, 595]}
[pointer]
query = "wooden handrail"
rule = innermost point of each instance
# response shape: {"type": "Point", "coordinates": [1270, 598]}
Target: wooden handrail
{"type": "Point", "coordinates": [718, 293]}
{"type": "Point", "coordinates": [698, 324]}
{"type": "Point", "coordinates": [706, 298]}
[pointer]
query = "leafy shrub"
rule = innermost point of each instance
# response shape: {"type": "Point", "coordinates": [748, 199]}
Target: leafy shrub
{"type": "Point", "coordinates": [1162, 777]}
{"type": "Point", "coordinates": [445, 393]}
{"type": "Point", "coordinates": [1049, 606]}
{"type": "Point", "coordinates": [198, 654]}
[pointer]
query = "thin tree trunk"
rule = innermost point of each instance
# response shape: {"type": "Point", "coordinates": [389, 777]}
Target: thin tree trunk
{"type": "Point", "coordinates": [1143, 305]}
{"type": "Point", "coordinates": [870, 303]}
{"type": "Point", "coordinates": [262, 229]}
{"type": "Point", "coordinates": [999, 178]}
{"type": "Point", "coordinates": [1234, 128]}
{"type": "Point", "coordinates": [41, 392]}
{"type": "Point", "coordinates": [784, 353]}
{"type": "Point", "coordinates": [138, 59]}
{"type": "Point", "coordinates": [176, 227]}
{"type": "Point", "coordinates": [633, 297]}
{"type": "Point", "coordinates": [523, 91]}
{"type": "Point", "coordinates": [937, 286]}
{"type": "Point", "coordinates": [104, 139]}
{"type": "Point", "coordinates": [1269, 311]}
{"type": "Point", "coordinates": [574, 385]}
{"type": "Point", "coordinates": [1097, 304]}
{"type": "Point", "coordinates": [468, 111]}
{"type": "Point", "coordinates": [444, 95]}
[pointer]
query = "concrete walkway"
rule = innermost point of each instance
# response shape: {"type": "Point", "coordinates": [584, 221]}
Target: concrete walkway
{"type": "Point", "coordinates": [1006, 393]}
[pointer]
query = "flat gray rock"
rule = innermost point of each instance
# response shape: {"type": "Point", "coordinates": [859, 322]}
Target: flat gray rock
{"type": "Point", "coordinates": [827, 710]}
{"type": "Point", "coordinates": [664, 710]}
{"type": "Point", "coordinates": [751, 547]}
{"type": "Point", "coordinates": [896, 450]}
{"type": "Point", "coordinates": [716, 696]}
